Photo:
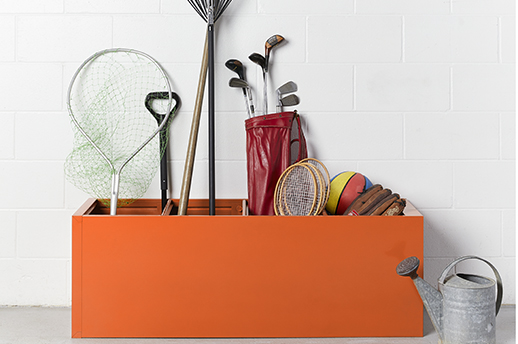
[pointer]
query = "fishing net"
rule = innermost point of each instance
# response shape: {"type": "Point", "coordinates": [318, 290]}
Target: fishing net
{"type": "Point", "coordinates": [116, 152]}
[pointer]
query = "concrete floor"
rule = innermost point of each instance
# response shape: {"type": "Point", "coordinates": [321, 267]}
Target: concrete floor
{"type": "Point", "coordinates": [38, 325]}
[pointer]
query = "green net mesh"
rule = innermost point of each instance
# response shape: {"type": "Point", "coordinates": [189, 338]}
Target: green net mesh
{"type": "Point", "coordinates": [106, 104]}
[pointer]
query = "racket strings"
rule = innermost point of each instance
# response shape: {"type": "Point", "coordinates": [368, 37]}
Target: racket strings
{"type": "Point", "coordinates": [302, 189]}
{"type": "Point", "coordinates": [299, 191]}
{"type": "Point", "coordinates": [326, 179]}
{"type": "Point", "coordinates": [320, 188]}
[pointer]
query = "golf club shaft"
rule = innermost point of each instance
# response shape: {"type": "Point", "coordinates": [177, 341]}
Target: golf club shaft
{"type": "Point", "coordinates": [247, 103]}
{"type": "Point", "coordinates": [193, 138]}
{"type": "Point", "coordinates": [251, 102]}
{"type": "Point", "coordinates": [265, 92]}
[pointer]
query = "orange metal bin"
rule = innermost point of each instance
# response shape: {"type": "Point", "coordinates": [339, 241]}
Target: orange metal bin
{"type": "Point", "coordinates": [142, 274]}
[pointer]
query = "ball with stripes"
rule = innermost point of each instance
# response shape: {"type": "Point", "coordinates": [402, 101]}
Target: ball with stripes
{"type": "Point", "coordinates": [344, 188]}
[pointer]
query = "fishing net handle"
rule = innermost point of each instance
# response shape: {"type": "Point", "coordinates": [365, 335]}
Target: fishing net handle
{"type": "Point", "coordinates": [116, 173]}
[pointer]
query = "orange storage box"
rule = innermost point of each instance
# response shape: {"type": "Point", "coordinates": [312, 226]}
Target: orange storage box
{"type": "Point", "coordinates": [145, 274]}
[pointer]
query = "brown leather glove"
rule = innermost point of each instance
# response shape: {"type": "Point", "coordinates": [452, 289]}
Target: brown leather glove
{"type": "Point", "coordinates": [377, 201]}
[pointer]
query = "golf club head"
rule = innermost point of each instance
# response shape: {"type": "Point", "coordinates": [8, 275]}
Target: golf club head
{"type": "Point", "coordinates": [240, 83]}
{"type": "Point", "coordinates": [269, 45]}
{"type": "Point", "coordinates": [290, 100]}
{"type": "Point", "coordinates": [236, 82]}
{"type": "Point", "coordinates": [272, 42]}
{"type": "Point", "coordinates": [258, 59]}
{"type": "Point", "coordinates": [288, 87]}
{"type": "Point", "coordinates": [236, 66]}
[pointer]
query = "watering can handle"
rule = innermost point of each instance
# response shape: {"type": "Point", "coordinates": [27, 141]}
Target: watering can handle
{"type": "Point", "coordinates": [499, 284]}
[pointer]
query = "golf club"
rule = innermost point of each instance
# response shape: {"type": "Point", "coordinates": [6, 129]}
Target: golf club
{"type": "Point", "coordinates": [290, 100]}
{"type": "Point", "coordinates": [288, 87]}
{"type": "Point", "coordinates": [236, 66]}
{"type": "Point", "coordinates": [260, 60]}
{"type": "Point", "coordinates": [240, 83]}
{"type": "Point", "coordinates": [270, 43]}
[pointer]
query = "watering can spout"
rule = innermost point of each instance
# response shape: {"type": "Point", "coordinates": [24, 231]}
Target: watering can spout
{"type": "Point", "coordinates": [432, 298]}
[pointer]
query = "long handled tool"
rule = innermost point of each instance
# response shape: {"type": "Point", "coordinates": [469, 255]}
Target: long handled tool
{"type": "Point", "coordinates": [210, 11]}
{"type": "Point", "coordinates": [193, 137]}
{"type": "Point", "coordinates": [164, 135]}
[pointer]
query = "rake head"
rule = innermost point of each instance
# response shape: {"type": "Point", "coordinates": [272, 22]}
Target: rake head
{"type": "Point", "coordinates": [206, 7]}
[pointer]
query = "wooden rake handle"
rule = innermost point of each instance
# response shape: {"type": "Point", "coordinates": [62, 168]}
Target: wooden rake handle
{"type": "Point", "coordinates": [193, 138]}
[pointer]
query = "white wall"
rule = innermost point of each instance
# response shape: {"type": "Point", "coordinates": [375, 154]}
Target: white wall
{"type": "Point", "coordinates": [418, 95]}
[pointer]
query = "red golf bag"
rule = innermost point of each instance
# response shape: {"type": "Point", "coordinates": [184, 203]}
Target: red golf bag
{"type": "Point", "coordinates": [273, 142]}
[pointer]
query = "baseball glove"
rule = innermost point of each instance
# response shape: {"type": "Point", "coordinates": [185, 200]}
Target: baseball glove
{"type": "Point", "coordinates": [377, 201]}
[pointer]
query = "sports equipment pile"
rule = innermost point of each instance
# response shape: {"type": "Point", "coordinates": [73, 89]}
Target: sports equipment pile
{"type": "Point", "coordinates": [120, 99]}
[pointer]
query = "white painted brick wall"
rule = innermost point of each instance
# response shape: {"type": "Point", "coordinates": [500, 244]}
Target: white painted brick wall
{"type": "Point", "coordinates": [418, 95]}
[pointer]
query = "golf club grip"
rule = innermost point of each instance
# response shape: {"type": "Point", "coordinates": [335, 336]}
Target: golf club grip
{"type": "Point", "coordinates": [265, 93]}
{"type": "Point", "coordinates": [193, 138]}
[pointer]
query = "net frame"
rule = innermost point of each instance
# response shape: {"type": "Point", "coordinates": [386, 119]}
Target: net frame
{"type": "Point", "coordinates": [301, 178]}
{"type": "Point", "coordinates": [116, 172]}
{"type": "Point", "coordinates": [325, 174]}
{"type": "Point", "coordinates": [320, 185]}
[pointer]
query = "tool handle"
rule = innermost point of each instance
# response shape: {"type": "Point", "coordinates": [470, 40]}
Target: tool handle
{"type": "Point", "coordinates": [499, 284]}
{"type": "Point", "coordinates": [193, 138]}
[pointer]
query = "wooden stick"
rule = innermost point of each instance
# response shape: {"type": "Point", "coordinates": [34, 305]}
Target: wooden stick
{"type": "Point", "coordinates": [193, 138]}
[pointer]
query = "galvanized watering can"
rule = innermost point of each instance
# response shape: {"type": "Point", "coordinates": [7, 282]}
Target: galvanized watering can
{"type": "Point", "coordinates": [463, 310]}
